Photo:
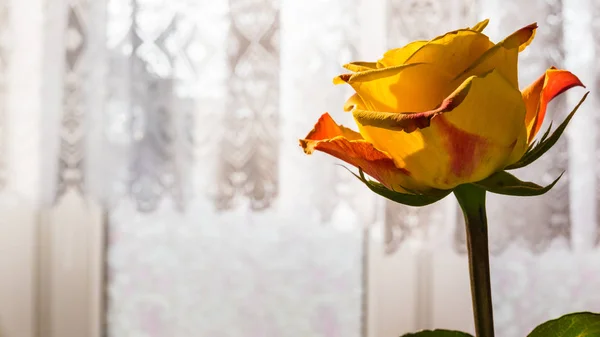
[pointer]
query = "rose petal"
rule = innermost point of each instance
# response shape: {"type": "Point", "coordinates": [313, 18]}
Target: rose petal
{"type": "Point", "coordinates": [349, 146]}
{"type": "Point", "coordinates": [354, 102]}
{"type": "Point", "coordinates": [412, 87]}
{"type": "Point", "coordinates": [502, 57]}
{"type": "Point", "coordinates": [452, 52]}
{"type": "Point", "coordinates": [520, 147]}
{"type": "Point", "coordinates": [360, 66]}
{"type": "Point", "coordinates": [409, 121]}
{"type": "Point", "coordinates": [398, 56]}
{"type": "Point", "coordinates": [480, 26]}
{"type": "Point", "coordinates": [537, 96]}
{"type": "Point", "coordinates": [466, 143]}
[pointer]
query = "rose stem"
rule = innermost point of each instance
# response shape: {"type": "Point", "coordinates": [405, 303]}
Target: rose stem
{"type": "Point", "coordinates": [472, 202]}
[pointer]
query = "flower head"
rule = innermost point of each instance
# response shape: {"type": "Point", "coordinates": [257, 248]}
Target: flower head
{"type": "Point", "coordinates": [437, 114]}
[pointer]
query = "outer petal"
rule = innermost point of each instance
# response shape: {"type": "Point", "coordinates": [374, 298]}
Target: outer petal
{"type": "Point", "coordinates": [354, 102]}
{"type": "Point", "coordinates": [350, 147]}
{"type": "Point", "coordinates": [360, 66]}
{"type": "Point", "coordinates": [502, 57]}
{"type": "Point", "coordinates": [454, 51]}
{"type": "Point", "coordinates": [468, 142]}
{"type": "Point", "coordinates": [413, 87]}
{"type": "Point", "coordinates": [325, 129]}
{"type": "Point", "coordinates": [537, 96]}
{"type": "Point", "coordinates": [398, 56]}
{"type": "Point", "coordinates": [520, 147]}
{"type": "Point", "coordinates": [480, 26]}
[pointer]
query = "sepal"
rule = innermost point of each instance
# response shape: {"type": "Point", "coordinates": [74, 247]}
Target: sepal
{"type": "Point", "coordinates": [537, 149]}
{"type": "Point", "coordinates": [416, 200]}
{"type": "Point", "coordinates": [505, 183]}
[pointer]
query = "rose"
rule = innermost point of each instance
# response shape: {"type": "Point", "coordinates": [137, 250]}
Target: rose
{"type": "Point", "coordinates": [445, 116]}
{"type": "Point", "coordinates": [436, 114]}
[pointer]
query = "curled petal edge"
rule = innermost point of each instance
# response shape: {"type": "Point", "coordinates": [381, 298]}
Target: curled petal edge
{"type": "Point", "coordinates": [348, 145]}
{"type": "Point", "coordinates": [411, 121]}
{"type": "Point", "coordinates": [551, 84]}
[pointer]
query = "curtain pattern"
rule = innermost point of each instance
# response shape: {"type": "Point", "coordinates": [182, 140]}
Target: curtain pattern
{"type": "Point", "coordinates": [181, 117]}
{"type": "Point", "coordinates": [72, 130]}
{"type": "Point", "coordinates": [156, 57]}
{"type": "Point", "coordinates": [233, 261]}
{"type": "Point", "coordinates": [248, 164]}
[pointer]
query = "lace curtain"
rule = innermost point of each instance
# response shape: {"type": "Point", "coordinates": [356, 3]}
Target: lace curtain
{"type": "Point", "coordinates": [181, 118]}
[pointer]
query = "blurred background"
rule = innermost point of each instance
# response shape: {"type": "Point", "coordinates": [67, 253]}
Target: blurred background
{"type": "Point", "coordinates": [151, 183]}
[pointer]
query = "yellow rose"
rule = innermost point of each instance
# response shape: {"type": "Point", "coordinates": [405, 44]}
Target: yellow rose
{"type": "Point", "coordinates": [436, 114]}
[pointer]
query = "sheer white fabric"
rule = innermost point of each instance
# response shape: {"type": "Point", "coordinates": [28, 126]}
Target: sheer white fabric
{"type": "Point", "coordinates": [181, 117]}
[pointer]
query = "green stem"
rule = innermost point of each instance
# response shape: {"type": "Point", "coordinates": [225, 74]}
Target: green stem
{"type": "Point", "coordinates": [472, 202]}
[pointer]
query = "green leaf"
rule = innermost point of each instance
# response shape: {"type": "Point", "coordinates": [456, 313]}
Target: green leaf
{"type": "Point", "coordinates": [438, 333]}
{"type": "Point", "coordinates": [505, 183]}
{"type": "Point", "coordinates": [545, 135]}
{"type": "Point", "coordinates": [402, 198]}
{"type": "Point", "coordinates": [579, 324]}
{"type": "Point", "coordinates": [545, 143]}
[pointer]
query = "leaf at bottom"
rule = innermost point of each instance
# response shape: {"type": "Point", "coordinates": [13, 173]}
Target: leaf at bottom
{"type": "Point", "coordinates": [581, 324]}
{"type": "Point", "coordinates": [438, 333]}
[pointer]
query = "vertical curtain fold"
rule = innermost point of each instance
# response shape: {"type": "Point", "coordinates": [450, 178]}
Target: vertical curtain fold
{"type": "Point", "coordinates": [248, 166]}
